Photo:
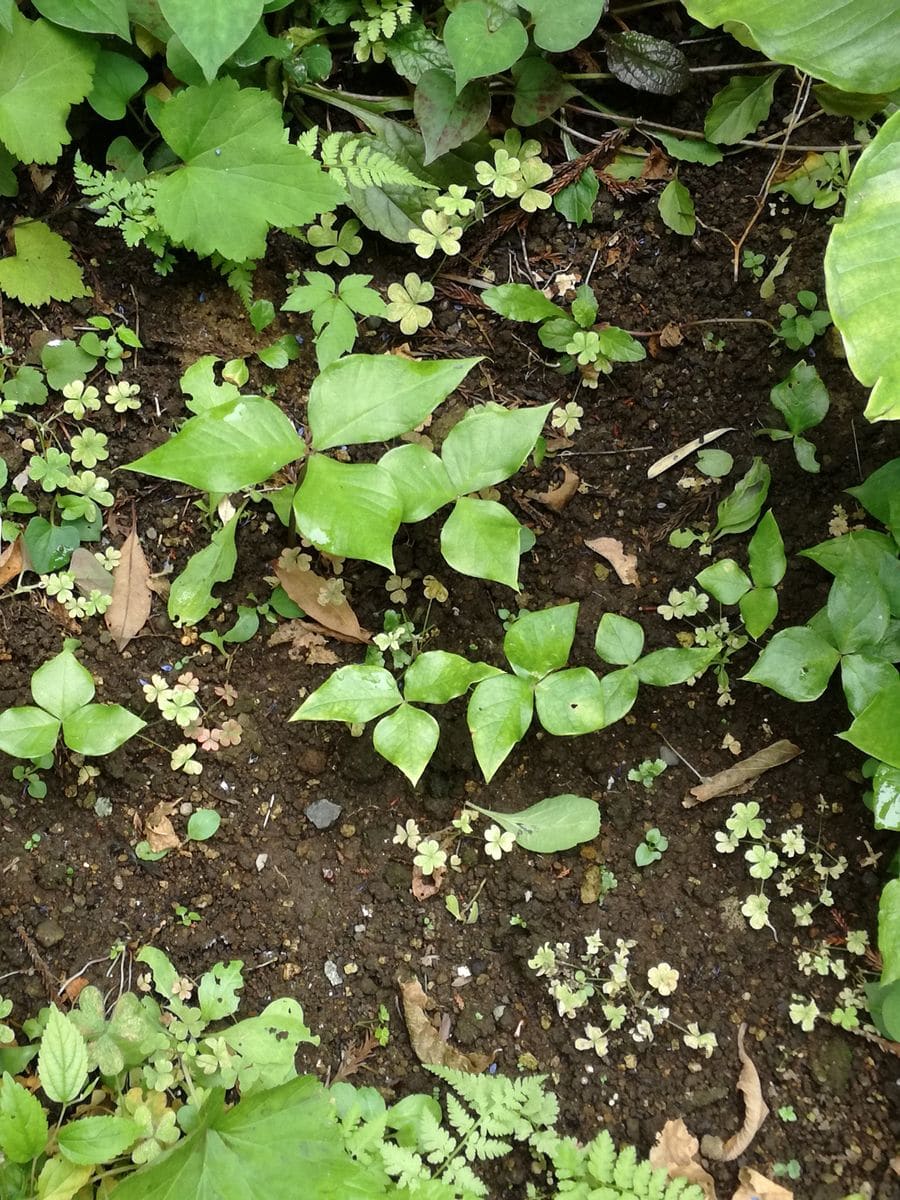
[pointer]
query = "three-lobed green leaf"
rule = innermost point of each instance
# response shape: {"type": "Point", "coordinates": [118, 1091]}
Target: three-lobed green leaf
{"type": "Point", "coordinates": [349, 509]}
{"type": "Point", "coordinates": [498, 716]}
{"type": "Point", "coordinates": [354, 694]}
{"type": "Point", "coordinates": [407, 737]}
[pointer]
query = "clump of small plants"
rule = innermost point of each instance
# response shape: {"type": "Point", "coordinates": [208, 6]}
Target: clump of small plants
{"type": "Point", "coordinates": [179, 703]}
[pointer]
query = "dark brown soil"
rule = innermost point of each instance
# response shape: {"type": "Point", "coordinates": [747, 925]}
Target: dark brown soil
{"type": "Point", "coordinates": [286, 899]}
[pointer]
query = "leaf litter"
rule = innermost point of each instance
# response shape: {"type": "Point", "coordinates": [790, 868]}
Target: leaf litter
{"type": "Point", "coordinates": [428, 1040]}
{"type": "Point", "coordinates": [734, 781]}
{"type": "Point", "coordinates": [624, 564]}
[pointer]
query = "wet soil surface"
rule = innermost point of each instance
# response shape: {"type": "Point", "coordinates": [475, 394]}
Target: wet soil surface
{"type": "Point", "coordinates": [304, 907]}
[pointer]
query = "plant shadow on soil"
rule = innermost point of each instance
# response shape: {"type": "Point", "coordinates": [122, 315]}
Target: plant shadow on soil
{"type": "Point", "coordinates": [344, 894]}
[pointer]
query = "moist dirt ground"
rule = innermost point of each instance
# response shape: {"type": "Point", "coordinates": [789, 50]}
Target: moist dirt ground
{"type": "Point", "coordinates": [287, 898]}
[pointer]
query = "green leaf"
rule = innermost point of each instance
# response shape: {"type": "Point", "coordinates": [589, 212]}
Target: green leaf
{"type": "Point", "coordinates": [552, 825]}
{"type": "Point", "coordinates": [801, 397]}
{"type": "Point", "coordinates": [759, 608]}
{"type": "Point", "coordinates": [663, 668]}
{"type": "Point", "coordinates": [862, 271]}
{"type": "Point", "coordinates": [889, 932]}
{"type": "Point", "coordinates": [62, 1060]}
{"type": "Point", "coordinates": [876, 730]}
{"type": "Point", "coordinates": [715, 464]}
{"type": "Point", "coordinates": [354, 694]}
{"type": "Point", "coordinates": [27, 732]}
{"type": "Point", "coordinates": [97, 1139]}
{"type": "Point", "coordinates": [349, 509]}
{"type": "Point", "coordinates": [585, 306]}
{"type": "Point", "coordinates": [229, 447]}
{"type": "Point", "coordinates": [62, 685]}
{"type": "Point", "coordinates": [540, 91]}
{"type": "Point", "coordinates": [498, 717]}
{"type": "Point", "coordinates": [797, 663]}
{"type": "Point", "coordinates": [737, 512]}
{"type": "Point", "coordinates": [619, 346]}
{"type": "Point", "coordinates": [42, 268]}
{"type": "Point", "coordinates": [43, 72]}
{"type": "Point", "coordinates": [61, 1180]}
{"type": "Point", "coordinates": [539, 642]}
{"type": "Point", "coordinates": [559, 27]}
{"type": "Point", "coordinates": [437, 677]}
{"type": "Point", "coordinates": [766, 553]}
{"type": "Point", "coordinates": [217, 995]}
{"type": "Point", "coordinates": [557, 334]}
{"type": "Point", "coordinates": [851, 44]}
{"type": "Point", "coordinates": [858, 612]}
{"type": "Point", "coordinates": [618, 640]}
{"type": "Point", "coordinates": [203, 824]}
{"type": "Point", "coordinates": [490, 444]}
{"type": "Point", "coordinates": [414, 49]}
{"type": "Point", "coordinates": [886, 797]}
{"type": "Point", "coordinates": [9, 183]}
{"type": "Point", "coordinates": [190, 597]}
{"type": "Point", "coordinates": [481, 43]}
{"type": "Point", "coordinates": [740, 106]}
{"type": "Point", "coordinates": [420, 478]}
{"type": "Point", "coordinates": [407, 738]}
{"type": "Point", "coordinates": [724, 580]}
{"type": "Point", "coordinates": [230, 1156]}
{"type": "Point", "coordinates": [863, 676]}
{"type": "Point", "coordinates": [50, 546]}
{"type": "Point", "coordinates": [211, 32]}
{"type": "Point", "coordinates": [88, 16]}
{"type": "Point", "coordinates": [879, 491]}
{"type": "Point", "coordinates": [575, 202]}
{"type": "Point", "coordinates": [570, 702]}
{"type": "Point", "coordinates": [482, 538]}
{"type": "Point", "coordinates": [65, 362]}
{"type": "Point", "coordinates": [375, 397]}
{"type": "Point", "coordinates": [620, 689]}
{"type": "Point", "coordinates": [448, 118]}
{"type": "Point", "coordinates": [520, 302]}
{"type": "Point", "coordinates": [646, 63]}
{"type": "Point", "coordinates": [240, 174]}
{"type": "Point", "coordinates": [677, 208]}
{"type": "Point", "coordinates": [116, 79]}
{"type": "Point", "coordinates": [99, 729]}
{"type": "Point", "coordinates": [23, 1122]}
{"type": "Point", "coordinates": [689, 149]}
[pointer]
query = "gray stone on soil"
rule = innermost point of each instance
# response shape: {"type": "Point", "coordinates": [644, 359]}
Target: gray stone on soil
{"type": "Point", "coordinates": [322, 813]}
{"type": "Point", "coordinates": [49, 933]}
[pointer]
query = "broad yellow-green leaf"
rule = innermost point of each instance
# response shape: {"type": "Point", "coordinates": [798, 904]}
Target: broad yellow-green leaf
{"type": "Point", "coordinates": [42, 268]}
{"type": "Point", "coordinates": [862, 272]}
{"type": "Point", "coordinates": [851, 44]}
{"type": "Point", "coordinates": [43, 72]}
{"type": "Point", "coordinates": [212, 31]}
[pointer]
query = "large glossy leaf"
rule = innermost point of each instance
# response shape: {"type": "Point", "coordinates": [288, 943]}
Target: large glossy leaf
{"type": "Point", "coordinates": [618, 640]}
{"type": "Point", "coordinates": [349, 509]}
{"type": "Point", "coordinates": [212, 32]}
{"type": "Point", "coordinates": [240, 174]}
{"type": "Point", "coordinates": [570, 703]}
{"type": "Point", "coordinates": [88, 16]}
{"type": "Point", "coordinates": [555, 824]}
{"type": "Point", "coordinates": [27, 732]}
{"type": "Point", "coordinates": [876, 731]}
{"type": "Point", "coordinates": [229, 447]}
{"type": "Point", "coordinates": [740, 106]}
{"type": "Point", "coordinates": [498, 716]}
{"type": "Point", "coordinates": [190, 597]}
{"type": "Point", "coordinates": [561, 26]}
{"type": "Point", "coordinates": [851, 44]}
{"type": "Point", "coordinates": [482, 40]}
{"type": "Point", "coordinates": [490, 444]}
{"type": "Point", "coordinates": [376, 397]}
{"type": "Point", "coordinates": [539, 642]}
{"type": "Point", "coordinates": [354, 694]}
{"type": "Point", "coordinates": [862, 268]}
{"type": "Point", "coordinates": [796, 663]}
{"type": "Point", "coordinates": [448, 118]}
{"type": "Point", "coordinates": [62, 685]}
{"type": "Point", "coordinates": [407, 738]}
{"type": "Point", "coordinates": [482, 538]}
{"type": "Point", "coordinates": [420, 478]}
{"type": "Point", "coordinates": [672, 665]}
{"type": "Point", "coordinates": [99, 729]}
{"type": "Point", "coordinates": [647, 63]}
{"type": "Point", "coordinates": [858, 612]}
{"type": "Point", "coordinates": [765, 553]}
{"type": "Point", "coordinates": [437, 677]}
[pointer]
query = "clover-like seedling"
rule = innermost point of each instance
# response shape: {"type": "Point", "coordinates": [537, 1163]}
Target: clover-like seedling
{"type": "Point", "coordinates": [651, 848]}
{"type": "Point", "coordinates": [646, 772]}
{"type": "Point", "coordinates": [63, 691]}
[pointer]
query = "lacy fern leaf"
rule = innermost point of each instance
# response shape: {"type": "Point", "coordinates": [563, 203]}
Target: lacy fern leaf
{"type": "Point", "coordinates": [361, 161]}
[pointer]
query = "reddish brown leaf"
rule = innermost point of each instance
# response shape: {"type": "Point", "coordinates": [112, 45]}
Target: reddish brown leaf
{"type": "Point", "coordinates": [131, 596]}
{"type": "Point", "coordinates": [559, 496]}
{"type": "Point", "coordinates": [739, 778]}
{"type": "Point", "coordinates": [677, 1152]}
{"type": "Point", "coordinates": [303, 587]}
{"type": "Point", "coordinates": [426, 886]}
{"type": "Point", "coordinates": [305, 643]}
{"type": "Point", "coordinates": [158, 828]}
{"type": "Point", "coordinates": [426, 1038]}
{"type": "Point", "coordinates": [12, 564]}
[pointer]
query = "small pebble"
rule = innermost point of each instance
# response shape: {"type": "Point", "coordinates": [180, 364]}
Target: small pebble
{"type": "Point", "coordinates": [322, 813]}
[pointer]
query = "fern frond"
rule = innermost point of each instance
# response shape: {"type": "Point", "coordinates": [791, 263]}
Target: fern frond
{"type": "Point", "coordinates": [239, 277]}
{"type": "Point", "coordinates": [602, 1157]}
{"type": "Point", "coordinates": [434, 1139]}
{"type": "Point", "coordinates": [480, 1146]}
{"type": "Point", "coordinates": [404, 1165]}
{"type": "Point", "coordinates": [623, 1172]}
{"type": "Point", "coordinates": [308, 140]}
{"type": "Point", "coordinates": [461, 1177]}
{"type": "Point", "coordinates": [362, 162]}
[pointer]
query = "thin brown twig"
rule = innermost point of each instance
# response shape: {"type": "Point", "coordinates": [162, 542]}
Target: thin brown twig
{"type": "Point", "coordinates": [38, 963]}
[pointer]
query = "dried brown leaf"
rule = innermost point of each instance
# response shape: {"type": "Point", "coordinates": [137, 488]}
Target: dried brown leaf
{"type": "Point", "coordinates": [89, 574]}
{"type": "Point", "coordinates": [160, 586]}
{"type": "Point", "coordinates": [425, 1037]}
{"type": "Point", "coordinates": [670, 335]}
{"type": "Point", "coordinates": [671, 460]}
{"type": "Point", "coordinates": [624, 565]}
{"type": "Point", "coordinates": [131, 594]}
{"type": "Point", "coordinates": [303, 587]}
{"type": "Point", "coordinates": [739, 778]}
{"type": "Point", "coordinates": [12, 563]}
{"type": "Point", "coordinates": [755, 1111]}
{"type": "Point", "coordinates": [676, 1150]}
{"type": "Point", "coordinates": [426, 886]}
{"type": "Point", "coordinates": [754, 1186]}
{"type": "Point", "coordinates": [305, 643]}
{"type": "Point", "coordinates": [559, 496]}
{"type": "Point", "coordinates": [158, 828]}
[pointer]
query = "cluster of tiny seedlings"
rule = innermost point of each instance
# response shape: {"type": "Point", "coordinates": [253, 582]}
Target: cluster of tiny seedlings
{"type": "Point", "coordinates": [797, 867]}
{"type": "Point", "coordinates": [433, 854]}
{"type": "Point", "coordinates": [573, 982]}
{"type": "Point", "coordinates": [715, 635]}
{"type": "Point", "coordinates": [179, 703]}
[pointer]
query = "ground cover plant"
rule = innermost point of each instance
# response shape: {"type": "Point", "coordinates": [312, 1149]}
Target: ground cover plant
{"type": "Point", "coordinates": [459, 367]}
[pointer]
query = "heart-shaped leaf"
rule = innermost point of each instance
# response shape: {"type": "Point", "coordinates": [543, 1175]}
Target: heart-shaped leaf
{"type": "Point", "coordinates": [448, 118]}
{"type": "Point", "coordinates": [479, 43]}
